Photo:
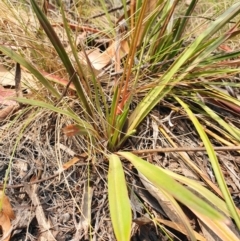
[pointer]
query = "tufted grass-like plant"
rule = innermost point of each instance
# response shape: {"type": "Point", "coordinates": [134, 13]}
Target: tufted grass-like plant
{"type": "Point", "coordinates": [181, 69]}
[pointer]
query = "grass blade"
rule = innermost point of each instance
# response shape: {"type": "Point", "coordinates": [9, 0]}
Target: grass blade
{"type": "Point", "coordinates": [61, 53]}
{"type": "Point", "coordinates": [230, 129]}
{"type": "Point", "coordinates": [167, 81]}
{"type": "Point", "coordinates": [16, 57]}
{"type": "Point", "coordinates": [84, 125]}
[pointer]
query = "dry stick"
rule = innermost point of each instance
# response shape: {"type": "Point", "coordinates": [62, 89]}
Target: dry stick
{"type": "Point", "coordinates": [145, 66]}
{"type": "Point", "coordinates": [109, 11]}
{"type": "Point", "coordinates": [18, 80]}
{"type": "Point", "coordinates": [188, 149]}
{"type": "Point", "coordinates": [66, 89]}
{"type": "Point", "coordinates": [206, 18]}
{"type": "Point", "coordinates": [58, 101]}
{"type": "Point", "coordinates": [31, 183]}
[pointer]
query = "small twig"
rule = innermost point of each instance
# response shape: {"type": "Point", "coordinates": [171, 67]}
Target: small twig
{"type": "Point", "coordinates": [109, 11]}
{"type": "Point", "coordinates": [187, 149]}
{"type": "Point", "coordinates": [66, 89]}
{"type": "Point", "coordinates": [31, 183]}
{"type": "Point", "coordinates": [206, 18]}
{"type": "Point", "coordinates": [145, 66]}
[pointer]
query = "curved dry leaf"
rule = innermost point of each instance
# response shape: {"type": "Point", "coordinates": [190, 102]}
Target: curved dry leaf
{"type": "Point", "coordinates": [44, 223]}
{"type": "Point", "coordinates": [6, 206]}
{"type": "Point", "coordinates": [5, 216]}
{"type": "Point", "coordinates": [214, 229]}
{"type": "Point", "coordinates": [5, 226]}
{"type": "Point", "coordinates": [4, 113]}
{"type": "Point", "coordinates": [179, 227]}
{"type": "Point", "coordinates": [6, 76]}
{"type": "Point", "coordinates": [6, 93]}
{"type": "Point", "coordinates": [100, 60]}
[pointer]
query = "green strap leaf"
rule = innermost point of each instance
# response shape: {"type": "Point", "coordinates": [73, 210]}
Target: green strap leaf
{"type": "Point", "coordinates": [214, 162]}
{"type": "Point", "coordinates": [119, 204]}
{"type": "Point", "coordinates": [163, 181]}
